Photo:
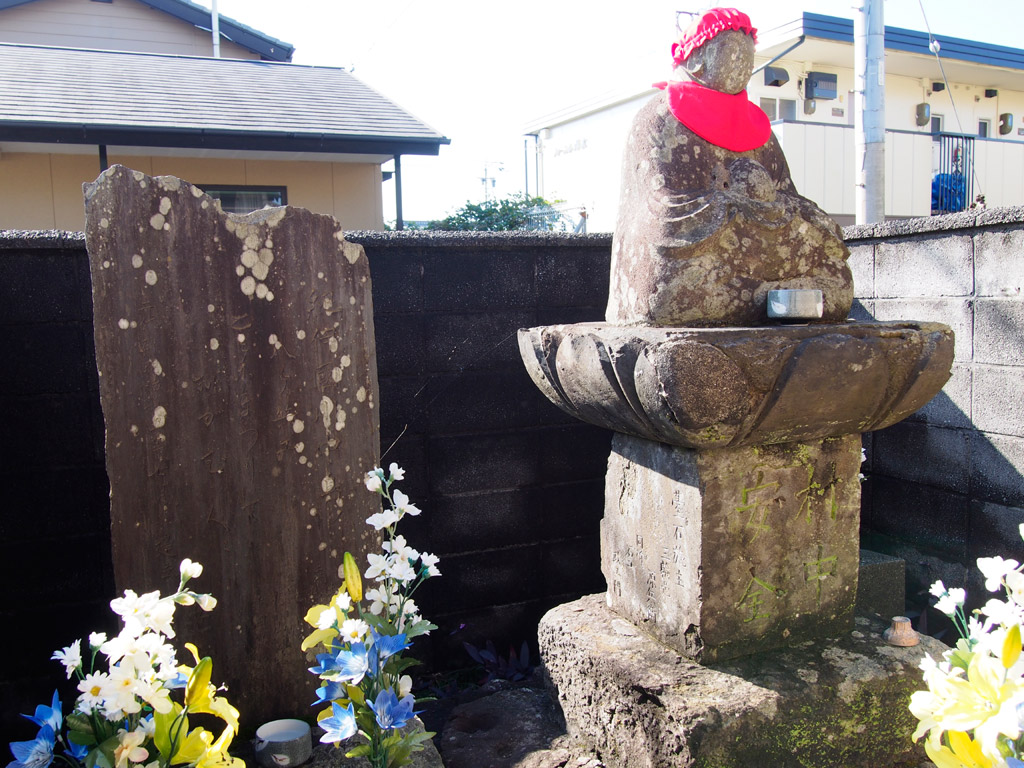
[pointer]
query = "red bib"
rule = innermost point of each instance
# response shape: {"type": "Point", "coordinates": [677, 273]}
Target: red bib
{"type": "Point", "coordinates": [726, 120]}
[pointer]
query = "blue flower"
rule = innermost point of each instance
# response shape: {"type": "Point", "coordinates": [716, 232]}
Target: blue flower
{"type": "Point", "coordinates": [78, 751]}
{"type": "Point", "coordinates": [351, 665]}
{"type": "Point", "coordinates": [51, 715]}
{"type": "Point", "coordinates": [37, 753]}
{"type": "Point", "coordinates": [329, 691]}
{"type": "Point", "coordinates": [390, 711]}
{"type": "Point", "coordinates": [1013, 762]}
{"type": "Point", "coordinates": [340, 726]}
{"type": "Point", "coordinates": [388, 645]}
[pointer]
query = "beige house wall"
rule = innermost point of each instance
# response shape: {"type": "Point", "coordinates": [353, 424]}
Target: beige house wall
{"type": "Point", "coordinates": [120, 25]}
{"type": "Point", "coordinates": [44, 191]}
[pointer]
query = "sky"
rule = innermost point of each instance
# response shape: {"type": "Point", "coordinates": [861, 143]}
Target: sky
{"type": "Point", "coordinates": [481, 72]}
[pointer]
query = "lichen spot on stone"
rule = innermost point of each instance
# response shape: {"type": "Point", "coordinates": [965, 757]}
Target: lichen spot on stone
{"type": "Point", "coordinates": [165, 205]}
{"type": "Point", "coordinates": [138, 175]}
{"type": "Point", "coordinates": [123, 324]}
{"type": "Point", "coordinates": [104, 222]}
{"type": "Point", "coordinates": [260, 271]}
{"type": "Point", "coordinates": [336, 373]}
{"type": "Point", "coordinates": [106, 264]}
{"type": "Point", "coordinates": [248, 258]}
{"type": "Point", "coordinates": [150, 277]}
{"type": "Point", "coordinates": [300, 447]}
{"type": "Point", "coordinates": [262, 290]}
{"type": "Point", "coordinates": [327, 484]}
{"type": "Point", "coordinates": [321, 546]}
{"type": "Point", "coordinates": [241, 338]}
{"type": "Point", "coordinates": [352, 300]}
{"type": "Point", "coordinates": [136, 261]}
{"type": "Point", "coordinates": [320, 275]}
{"type": "Point", "coordinates": [332, 343]}
{"type": "Point", "coordinates": [248, 285]}
{"type": "Point", "coordinates": [159, 416]}
{"type": "Point", "coordinates": [170, 183]}
{"type": "Point", "coordinates": [328, 303]}
{"type": "Point", "coordinates": [197, 192]}
{"type": "Point", "coordinates": [346, 361]}
{"type": "Point", "coordinates": [340, 423]}
{"type": "Point", "coordinates": [156, 221]}
{"type": "Point", "coordinates": [274, 341]}
{"type": "Point", "coordinates": [298, 426]}
{"type": "Point", "coordinates": [204, 205]}
{"type": "Point", "coordinates": [352, 251]}
{"type": "Point", "coordinates": [269, 296]}
{"type": "Point", "coordinates": [361, 394]}
{"type": "Point", "coordinates": [158, 369]}
{"type": "Point", "coordinates": [266, 255]}
{"type": "Point", "coordinates": [326, 409]}
{"type": "Point", "coordinates": [300, 334]}
{"type": "Point", "coordinates": [214, 344]}
{"type": "Point", "coordinates": [134, 429]}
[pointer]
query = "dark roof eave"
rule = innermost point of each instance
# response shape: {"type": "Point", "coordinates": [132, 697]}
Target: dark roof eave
{"type": "Point", "coordinates": [264, 45]}
{"type": "Point", "coordinates": [131, 136]}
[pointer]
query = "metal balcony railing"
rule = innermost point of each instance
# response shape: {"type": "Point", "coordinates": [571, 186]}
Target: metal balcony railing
{"type": "Point", "coordinates": [953, 182]}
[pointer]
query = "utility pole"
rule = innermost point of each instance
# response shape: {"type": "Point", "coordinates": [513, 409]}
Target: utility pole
{"type": "Point", "coordinates": [869, 111]}
{"type": "Point", "coordinates": [488, 180]}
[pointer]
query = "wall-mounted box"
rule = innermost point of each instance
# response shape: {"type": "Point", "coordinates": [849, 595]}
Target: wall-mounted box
{"type": "Point", "coordinates": [820, 85]}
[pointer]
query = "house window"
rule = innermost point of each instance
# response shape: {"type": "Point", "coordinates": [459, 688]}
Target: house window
{"type": "Point", "coordinates": [983, 128]}
{"type": "Point", "coordinates": [768, 106]}
{"type": "Point", "coordinates": [936, 123]}
{"type": "Point", "coordinates": [235, 198]}
{"type": "Point", "coordinates": [787, 109]}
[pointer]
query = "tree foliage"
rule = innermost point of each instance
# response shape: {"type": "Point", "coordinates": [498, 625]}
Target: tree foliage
{"type": "Point", "coordinates": [516, 211]}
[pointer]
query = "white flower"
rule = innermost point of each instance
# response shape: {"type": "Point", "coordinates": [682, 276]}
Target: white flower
{"type": "Point", "coordinates": [354, 630]}
{"type": "Point", "coordinates": [343, 602]}
{"type": "Point", "coordinates": [190, 570]}
{"type": "Point", "coordinates": [404, 686]}
{"type": "Point", "coordinates": [430, 561]}
{"type": "Point", "coordinates": [402, 505]}
{"type": "Point", "coordinates": [994, 569]}
{"type": "Point", "coordinates": [70, 657]}
{"type": "Point", "coordinates": [130, 748]}
{"type": "Point", "coordinates": [397, 473]}
{"type": "Point", "coordinates": [206, 602]}
{"type": "Point", "coordinates": [402, 571]}
{"type": "Point", "coordinates": [378, 566]}
{"type": "Point", "coordinates": [326, 619]}
{"type": "Point", "coordinates": [400, 549]}
{"type": "Point", "coordinates": [377, 601]}
{"type": "Point", "coordinates": [937, 589]}
{"type": "Point", "coordinates": [119, 693]}
{"type": "Point", "coordinates": [383, 520]}
{"type": "Point", "coordinates": [949, 602]}
{"type": "Point", "coordinates": [373, 480]}
{"type": "Point", "coordinates": [91, 687]}
{"type": "Point", "coordinates": [133, 608]}
{"type": "Point", "coordinates": [96, 639]}
{"type": "Point", "coordinates": [160, 616]}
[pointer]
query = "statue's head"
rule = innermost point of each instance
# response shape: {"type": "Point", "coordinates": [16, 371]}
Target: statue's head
{"type": "Point", "coordinates": [717, 50]}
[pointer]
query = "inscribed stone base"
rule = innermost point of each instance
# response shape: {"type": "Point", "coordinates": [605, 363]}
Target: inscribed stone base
{"type": "Point", "coordinates": [822, 704]}
{"type": "Point", "coordinates": [727, 552]}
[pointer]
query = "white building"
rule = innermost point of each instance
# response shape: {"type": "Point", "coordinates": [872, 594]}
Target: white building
{"type": "Point", "coordinates": [969, 134]}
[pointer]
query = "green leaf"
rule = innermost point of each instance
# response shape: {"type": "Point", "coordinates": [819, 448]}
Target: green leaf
{"type": "Point", "coordinates": [419, 628]}
{"type": "Point", "coordinates": [363, 750]}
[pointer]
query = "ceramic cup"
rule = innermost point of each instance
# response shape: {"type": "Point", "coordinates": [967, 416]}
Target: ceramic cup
{"type": "Point", "coordinates": [282, 743]}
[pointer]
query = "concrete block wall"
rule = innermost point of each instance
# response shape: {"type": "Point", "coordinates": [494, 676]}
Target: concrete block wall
{"type": "Point", "coordinates": [946, 486]}
{"type": "Point", "coordinates": [512, 488]}
{"type": "Point", "coordinates": [55, 567]}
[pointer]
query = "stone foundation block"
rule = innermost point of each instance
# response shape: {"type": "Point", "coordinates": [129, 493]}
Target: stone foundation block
{"type": "Point", "coordinates": [820, 705]}
{"type": "Point", "coordinates": [727, 552]}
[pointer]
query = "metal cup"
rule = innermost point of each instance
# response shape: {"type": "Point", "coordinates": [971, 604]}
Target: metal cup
{"type": "Point", "coordinates": [282, 743]}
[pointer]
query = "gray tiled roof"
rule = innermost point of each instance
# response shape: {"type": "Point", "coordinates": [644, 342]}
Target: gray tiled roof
{"type": "Point", "coordinates": [140, 99]}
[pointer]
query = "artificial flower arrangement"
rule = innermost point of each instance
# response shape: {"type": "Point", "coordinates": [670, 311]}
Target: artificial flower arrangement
{"type": "Point", "coordinates": [362, 661]}
{"type": "Point", "coordinates": [973, 709]}
{"type": "Point", "coordinates": [126, 715]}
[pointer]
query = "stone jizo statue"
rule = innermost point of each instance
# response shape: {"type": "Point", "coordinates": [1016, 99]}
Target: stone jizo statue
{"type": "Point", "coordinates": [709, 219]}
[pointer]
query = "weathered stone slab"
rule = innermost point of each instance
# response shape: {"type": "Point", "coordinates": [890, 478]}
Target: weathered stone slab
{"type": "Point", "coordinates": [824, 704]}
{"type": "Point", "coordinates": [239, 389]}
{"type": "Point", "coordinates": [727, 552]}
{"type": "Point", "coordinates": [712, 387]}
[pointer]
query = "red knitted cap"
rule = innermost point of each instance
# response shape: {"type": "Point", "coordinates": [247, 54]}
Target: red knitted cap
{"type": "Point", "coordinates": [706, 27]}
